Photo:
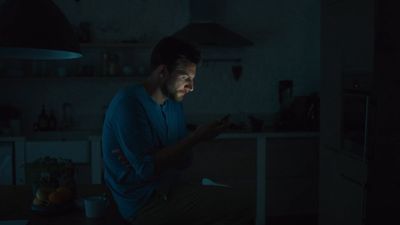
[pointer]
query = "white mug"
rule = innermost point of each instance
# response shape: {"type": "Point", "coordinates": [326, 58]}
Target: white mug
{"type": "Point", "coordinates": [95, 206]}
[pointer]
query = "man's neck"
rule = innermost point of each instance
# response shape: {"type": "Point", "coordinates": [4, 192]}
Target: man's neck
{"type": "Point", "coordinates": [155, 92]}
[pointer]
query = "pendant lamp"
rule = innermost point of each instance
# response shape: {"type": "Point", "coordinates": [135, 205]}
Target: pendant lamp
{"type": "Point", "coordinates": [36, 29]}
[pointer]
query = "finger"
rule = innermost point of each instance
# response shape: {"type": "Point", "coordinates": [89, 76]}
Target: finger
{"type": "Point", "coordinates": [123, 160]}
{"type": "Point", "coordinates": [223, 125]}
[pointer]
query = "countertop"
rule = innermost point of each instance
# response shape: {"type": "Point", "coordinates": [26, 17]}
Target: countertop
{"type": "Point", "coordinates": [86, 135]}
{"type": "Point", "coordinates": [16, 204]}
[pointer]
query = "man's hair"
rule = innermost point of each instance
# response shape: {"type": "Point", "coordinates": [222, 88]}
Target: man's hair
{"type": "Point", "coordinates": [173, 51]}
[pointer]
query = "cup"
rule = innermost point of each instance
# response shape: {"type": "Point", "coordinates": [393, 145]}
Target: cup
{"type": "Point", "coordinates": [95, 206]}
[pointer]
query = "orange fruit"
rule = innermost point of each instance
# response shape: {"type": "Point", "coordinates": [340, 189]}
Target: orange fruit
{"type": "Point", "coordinates": [60, 195]}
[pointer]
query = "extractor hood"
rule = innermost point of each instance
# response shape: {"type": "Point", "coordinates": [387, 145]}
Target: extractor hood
{"type": "Point", "coordinates": [203, 29]}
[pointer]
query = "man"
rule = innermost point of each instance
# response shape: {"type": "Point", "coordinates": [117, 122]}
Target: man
{"type": "Point", "coordinates": [146, 145]}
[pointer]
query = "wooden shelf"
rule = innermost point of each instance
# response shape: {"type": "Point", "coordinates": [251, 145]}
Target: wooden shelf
{"type": "Point", "coordinates": [115, 45]}
{"type": "Point", "coordinates": [79, 78]}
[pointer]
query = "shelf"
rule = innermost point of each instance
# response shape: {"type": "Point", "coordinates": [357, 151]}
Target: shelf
{"type": "Point", "coordinates": [115, 45]}
{"type": "Point", "coordinates": [78, 78]}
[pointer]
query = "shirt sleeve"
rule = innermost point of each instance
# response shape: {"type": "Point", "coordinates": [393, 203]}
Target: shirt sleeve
{"type": "Point", "coordinates": [188, 157]}
{"type": "Point", "coordinates": [134, 135]}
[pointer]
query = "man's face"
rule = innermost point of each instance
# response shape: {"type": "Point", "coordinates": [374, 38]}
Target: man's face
{"type": "Point", "coordinates": [180, 81]}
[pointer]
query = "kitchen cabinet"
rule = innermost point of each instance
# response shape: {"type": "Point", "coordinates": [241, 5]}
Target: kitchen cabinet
{"type": "Point", "coordinates": [352, 201]}
{"type": "Point", "coordinates": [84, 152]}
{"type": "Point", "coordinates": [359, 36]}
{"type": "Point", "coordinates": [12, 152]}
{"type": "Point", "coordinates": [344, 61]}
{"type": "Point", "coordinates": [281, 168]}
{"type": "Point", "coordinates": [6, 163]}
{"type": "Point", "coordinates": [343, 181]}
{"type": "Point", "coordinates": [75, 150]}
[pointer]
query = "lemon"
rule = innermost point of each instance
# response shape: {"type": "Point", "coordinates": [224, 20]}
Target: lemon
{"type": "Point", "coordinates": [42, 193]}
{"type": "Point", "coordinates": [39, 202]}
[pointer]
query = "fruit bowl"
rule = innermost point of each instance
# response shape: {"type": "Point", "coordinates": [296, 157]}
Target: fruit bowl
{"type": "Point", "coordinates": [54, 188]}
{"type": "Point", "coordinates": [50, 200]}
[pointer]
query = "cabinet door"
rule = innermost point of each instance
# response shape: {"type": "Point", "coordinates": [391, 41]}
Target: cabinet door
{"type": "Point", "coordinates": [351, 189]}
{"type": "Point", "coordinates": [77, 151]}
{"type": "Point", "coordinates": [342, 189]}
{"type": "Point", "coordinates": [331, 79]}
{"type": "Point", "coordinates": [329, 206]}
{"type": "Point", "coordinates": [351, 197]}
{"type": "Point", "coordinates": [6, 163]}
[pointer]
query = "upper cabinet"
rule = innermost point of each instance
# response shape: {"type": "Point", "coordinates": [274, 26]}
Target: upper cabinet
{"type": "Point", "coordinates": [357, 35]}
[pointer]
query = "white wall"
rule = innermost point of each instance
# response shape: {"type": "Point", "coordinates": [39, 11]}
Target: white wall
{"type": "Point", "coordinates": [285, 33]}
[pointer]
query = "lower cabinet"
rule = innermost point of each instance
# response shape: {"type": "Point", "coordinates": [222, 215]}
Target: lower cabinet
{"type": "Point", "coordinates": [6, 163]}
{"type": "Point", "coordinates": [291, 174]}
{"type": "Point", "coordinates": [342, 189]}
{"type": "Point", "coordinates": [77, 151]}
{"type": "Point", "coordinates": [352, 201]}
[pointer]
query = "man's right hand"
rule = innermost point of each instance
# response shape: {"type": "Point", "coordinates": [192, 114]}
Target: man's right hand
{"type": "Point", "coordinates": [209, 131]}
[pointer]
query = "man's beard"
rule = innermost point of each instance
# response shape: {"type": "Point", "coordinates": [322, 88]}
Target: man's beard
{"type": "Point", "coordinates": [170, 93]}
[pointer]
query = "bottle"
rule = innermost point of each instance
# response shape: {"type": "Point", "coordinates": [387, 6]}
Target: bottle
{"type": "Point", "coordinates": [43, 120]}
{"type": "Point", "coordinates": [67, 115]}
{"type": "Point", "coordinates": [52, 121]}
{"type": "Point", "coordinates": [285, 93]}
{"type": "Point", "coordinates": [113, 65]}
{"type": "Point", "coordinates": [105, 64]}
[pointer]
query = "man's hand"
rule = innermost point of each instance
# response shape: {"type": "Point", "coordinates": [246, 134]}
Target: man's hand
{"type": "Point", "coordinates": [211, 130]}
{"type": "Point", "coordinates": [121, 157]}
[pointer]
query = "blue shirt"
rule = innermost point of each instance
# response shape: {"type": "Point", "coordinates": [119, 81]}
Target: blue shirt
{"type": "Point", "coordinates": [138, 126]}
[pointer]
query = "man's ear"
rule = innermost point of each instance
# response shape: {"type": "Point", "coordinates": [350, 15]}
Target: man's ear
{"type": "Point", "coordinates": [161, 70]}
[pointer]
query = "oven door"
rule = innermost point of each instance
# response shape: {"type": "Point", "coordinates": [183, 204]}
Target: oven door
{"type": "Point", "coordinates": [355, 123]}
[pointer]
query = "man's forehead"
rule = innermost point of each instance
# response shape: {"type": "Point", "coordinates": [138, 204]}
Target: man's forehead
{"type": "Point", "coordinates": [188, 69]}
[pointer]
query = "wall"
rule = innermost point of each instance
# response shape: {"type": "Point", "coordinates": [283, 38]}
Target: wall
{"type": "Point", "coordinates": [285, 33]}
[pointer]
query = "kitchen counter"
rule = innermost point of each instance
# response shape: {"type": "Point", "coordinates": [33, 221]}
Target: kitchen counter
{"type": "Point", "coordinates": [262, 142]}
{"type": "Point", "coordinates": [261, 145]}
{"type": "Point", "coordinates": [85, 134]}
{"type": "Point", "coordinates": [63, 135]}
{"type": "Point", "coordinates": [12, 138]}
{"type": "Point", "coordinates": [270, 134]}
{"type": "Point", "coordinates": [16, 205]}
{"type": "Point", "coordinates": [94, 137]}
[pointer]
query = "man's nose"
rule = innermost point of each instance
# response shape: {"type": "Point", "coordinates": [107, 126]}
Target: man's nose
{"type": "Point", "coordinates": [190, 86]}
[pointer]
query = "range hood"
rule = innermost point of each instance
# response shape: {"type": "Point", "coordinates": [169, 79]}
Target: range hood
{"type": "Point", "coordinates": [203, 29]}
